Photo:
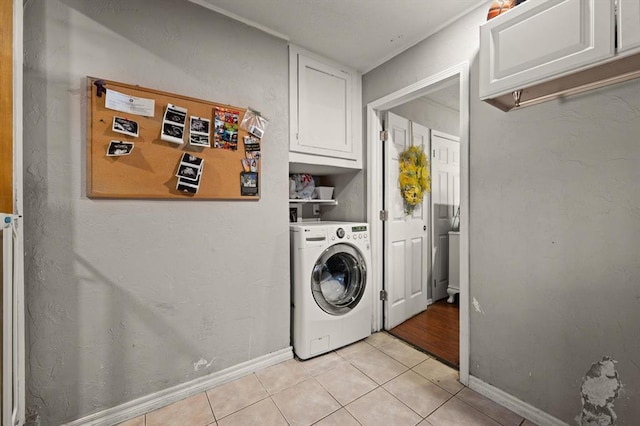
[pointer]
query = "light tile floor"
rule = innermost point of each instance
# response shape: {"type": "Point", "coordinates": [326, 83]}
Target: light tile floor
{"type": "Point", "coordinates": [377, 381]}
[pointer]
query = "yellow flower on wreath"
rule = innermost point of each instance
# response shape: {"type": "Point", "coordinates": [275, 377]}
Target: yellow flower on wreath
{"type": "Point", "coordinates": [414, 177]}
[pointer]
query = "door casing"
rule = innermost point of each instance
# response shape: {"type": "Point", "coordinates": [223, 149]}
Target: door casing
{"type": "Point", "coordinates": [11, 158]}
{"type": "Point", "coordinates": [375, 191]}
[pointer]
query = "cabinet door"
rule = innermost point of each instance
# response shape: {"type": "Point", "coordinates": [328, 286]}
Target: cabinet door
{"type": "Point", "coordinates": [324, 110]}
{"type": "Point", "coordinates": [543, 39]}
{"type": "Point", "coordinates": [628, 25]}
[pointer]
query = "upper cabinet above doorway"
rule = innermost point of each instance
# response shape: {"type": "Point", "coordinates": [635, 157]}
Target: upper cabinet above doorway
{"type": "Point", "coordinates": [325, 115]}
{"type": "Point", "coordinates": [544, 49]}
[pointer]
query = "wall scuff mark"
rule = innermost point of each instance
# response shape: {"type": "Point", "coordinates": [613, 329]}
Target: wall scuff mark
{"type": "Point", "coordinates": [201, 363]}
{"type": "Point", "coordinates": [599, 390]}
{"type": "Point", "coordinates": [476, 306]}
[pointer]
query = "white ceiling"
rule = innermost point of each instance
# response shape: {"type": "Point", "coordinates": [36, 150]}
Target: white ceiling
{"type": "Point", "coordinates": [361, 34]}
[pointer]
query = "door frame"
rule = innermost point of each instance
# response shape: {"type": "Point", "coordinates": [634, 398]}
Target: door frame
{"type": "Point", "coordinates": [375, 192]}
{"type": "Point", "coordinates": [13, 399]}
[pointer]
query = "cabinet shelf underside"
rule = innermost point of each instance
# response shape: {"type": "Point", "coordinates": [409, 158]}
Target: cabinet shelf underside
{"type": "Point", "coordinates": [612, 72]}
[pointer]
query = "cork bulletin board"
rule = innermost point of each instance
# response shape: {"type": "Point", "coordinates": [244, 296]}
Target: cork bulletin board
{"type": "Point", "coordinates": [149, 170]}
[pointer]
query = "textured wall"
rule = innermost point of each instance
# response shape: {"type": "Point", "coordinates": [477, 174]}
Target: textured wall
{"type": "Point", "coordinates": [555, 246]}
{"type": "Point", "coordinates": [350, 191]}
{"type": "Point", "coordinates": [126, 298]}
{"type": "Point", "coordinates": [554, 237]}
{"type": "Point", "coordinates": [431, 115]}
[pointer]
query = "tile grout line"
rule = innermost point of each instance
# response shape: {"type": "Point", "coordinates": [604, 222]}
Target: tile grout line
{"type": "Point", "coordinates": [439, 406]}
{"type": "Point", "coordinates": [435, 383]}
{"type": "Point", "coordinates": [267, 395]}
{"type": "Point", "coordinates": [342, 407]}
{"type": "Point", "coordinates": [478, 410]}
{"type": "Point", "coordinates": [279, 410]}
{"type": "Point", "coordinates": [378, 386]}
{"type": "Point", "coordinates": [215, 418]}
{"type": "Point", "coordinates": [433, 411]}
{"type": "Point", "coordinates": [350, 359]}
{"type": "Point", "coordinates": [402, 402]}
{"type": "Point", "coordinates": [381, 386]}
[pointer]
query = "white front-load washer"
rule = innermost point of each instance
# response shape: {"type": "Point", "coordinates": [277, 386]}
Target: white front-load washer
{"type": "Point", "coordinates": [331, 300]}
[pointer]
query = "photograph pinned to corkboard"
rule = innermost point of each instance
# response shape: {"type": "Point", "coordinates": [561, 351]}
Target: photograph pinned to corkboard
{"type": "Point", "coordinates": [141, 142]}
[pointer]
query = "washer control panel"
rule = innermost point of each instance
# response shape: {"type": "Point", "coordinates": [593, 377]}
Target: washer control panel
{"type": "Point", "coordinates": [351, 233]}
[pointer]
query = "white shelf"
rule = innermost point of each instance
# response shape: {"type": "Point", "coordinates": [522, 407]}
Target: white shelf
{"type": "Point", "coordinates": [315, 201]}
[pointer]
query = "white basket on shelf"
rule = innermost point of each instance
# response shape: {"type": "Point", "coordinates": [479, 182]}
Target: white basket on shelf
{"type": "Point", "coordinates": [324, 192]}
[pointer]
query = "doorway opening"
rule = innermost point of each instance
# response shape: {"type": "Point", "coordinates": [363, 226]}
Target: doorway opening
{"type": "Point", "coordinates": [412, 267]}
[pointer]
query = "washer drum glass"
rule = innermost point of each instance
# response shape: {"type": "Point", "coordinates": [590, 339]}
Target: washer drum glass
{"type": "Point", "coordinates": [338, 279]}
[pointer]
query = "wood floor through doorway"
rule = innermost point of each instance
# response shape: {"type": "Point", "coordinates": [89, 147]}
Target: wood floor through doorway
{"type": "Point", "coordinates": [436, 331]}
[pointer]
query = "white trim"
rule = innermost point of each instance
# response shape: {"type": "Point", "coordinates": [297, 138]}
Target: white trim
{"type": "Point", "coordinates": [374, 203]}
{"type": "Point", "coordinates": [509, 401]}
{"type": "Point", "coordinates": [160, 399]}
{"type": "Point", "coordinates": [239, 18]}
{"type": "Point", "coordinates": [374, 191]}
{"type": "Point", "coordinates": [8, 396]}
{"type": "Point", "coordinates": [18, 53]}
{"type": "Point", "coordinates": [465, 208]}
{"type": "Point", "coordinates": [18, 266]}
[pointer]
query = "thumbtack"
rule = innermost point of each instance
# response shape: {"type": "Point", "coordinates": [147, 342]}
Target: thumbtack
{"type": "Point", "coordinates": [100, 87]}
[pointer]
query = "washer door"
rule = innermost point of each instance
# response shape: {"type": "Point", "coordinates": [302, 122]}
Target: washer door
{"type": "Point", "coordinates": [338, 279]}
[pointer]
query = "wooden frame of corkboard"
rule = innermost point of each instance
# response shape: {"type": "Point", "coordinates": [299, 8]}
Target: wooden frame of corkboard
{"type": "Point", "coordinates": [149, 172]}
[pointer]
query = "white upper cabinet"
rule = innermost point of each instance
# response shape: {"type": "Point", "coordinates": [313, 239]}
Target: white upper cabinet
{"type": "Point", "coordinates": [540, 40]}
{"type": "Point", "coordinates": [628, 25]}
{"type": "Point", "coordinates": [325, 100]}
{"type": "Point", "coordinates": [324, 107]}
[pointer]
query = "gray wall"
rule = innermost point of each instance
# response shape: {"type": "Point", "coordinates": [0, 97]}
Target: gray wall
{"type": "Point", "coordinates": [129, 297]}
{"type": "Point", "coordinates": [431, 115]}
{"type": "Point", "coordinates": [554, 232]}
{"type": "Point", "coordinates": [350, 191]}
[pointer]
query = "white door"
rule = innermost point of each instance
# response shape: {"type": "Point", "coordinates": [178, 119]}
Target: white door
{"type": "Point", "coordinates": [445, 199]}
{"type": "Point", "coordinates": [406, 237]}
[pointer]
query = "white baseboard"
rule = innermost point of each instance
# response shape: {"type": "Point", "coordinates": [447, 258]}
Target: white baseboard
{"type": "Point", "coordinates": [509, 401]}
{"type": "Point", "coordinates": [145, 404]}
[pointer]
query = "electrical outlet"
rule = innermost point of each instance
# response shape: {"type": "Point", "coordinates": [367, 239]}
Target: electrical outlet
{"type": "Point", "coordinates": [316, 210]}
